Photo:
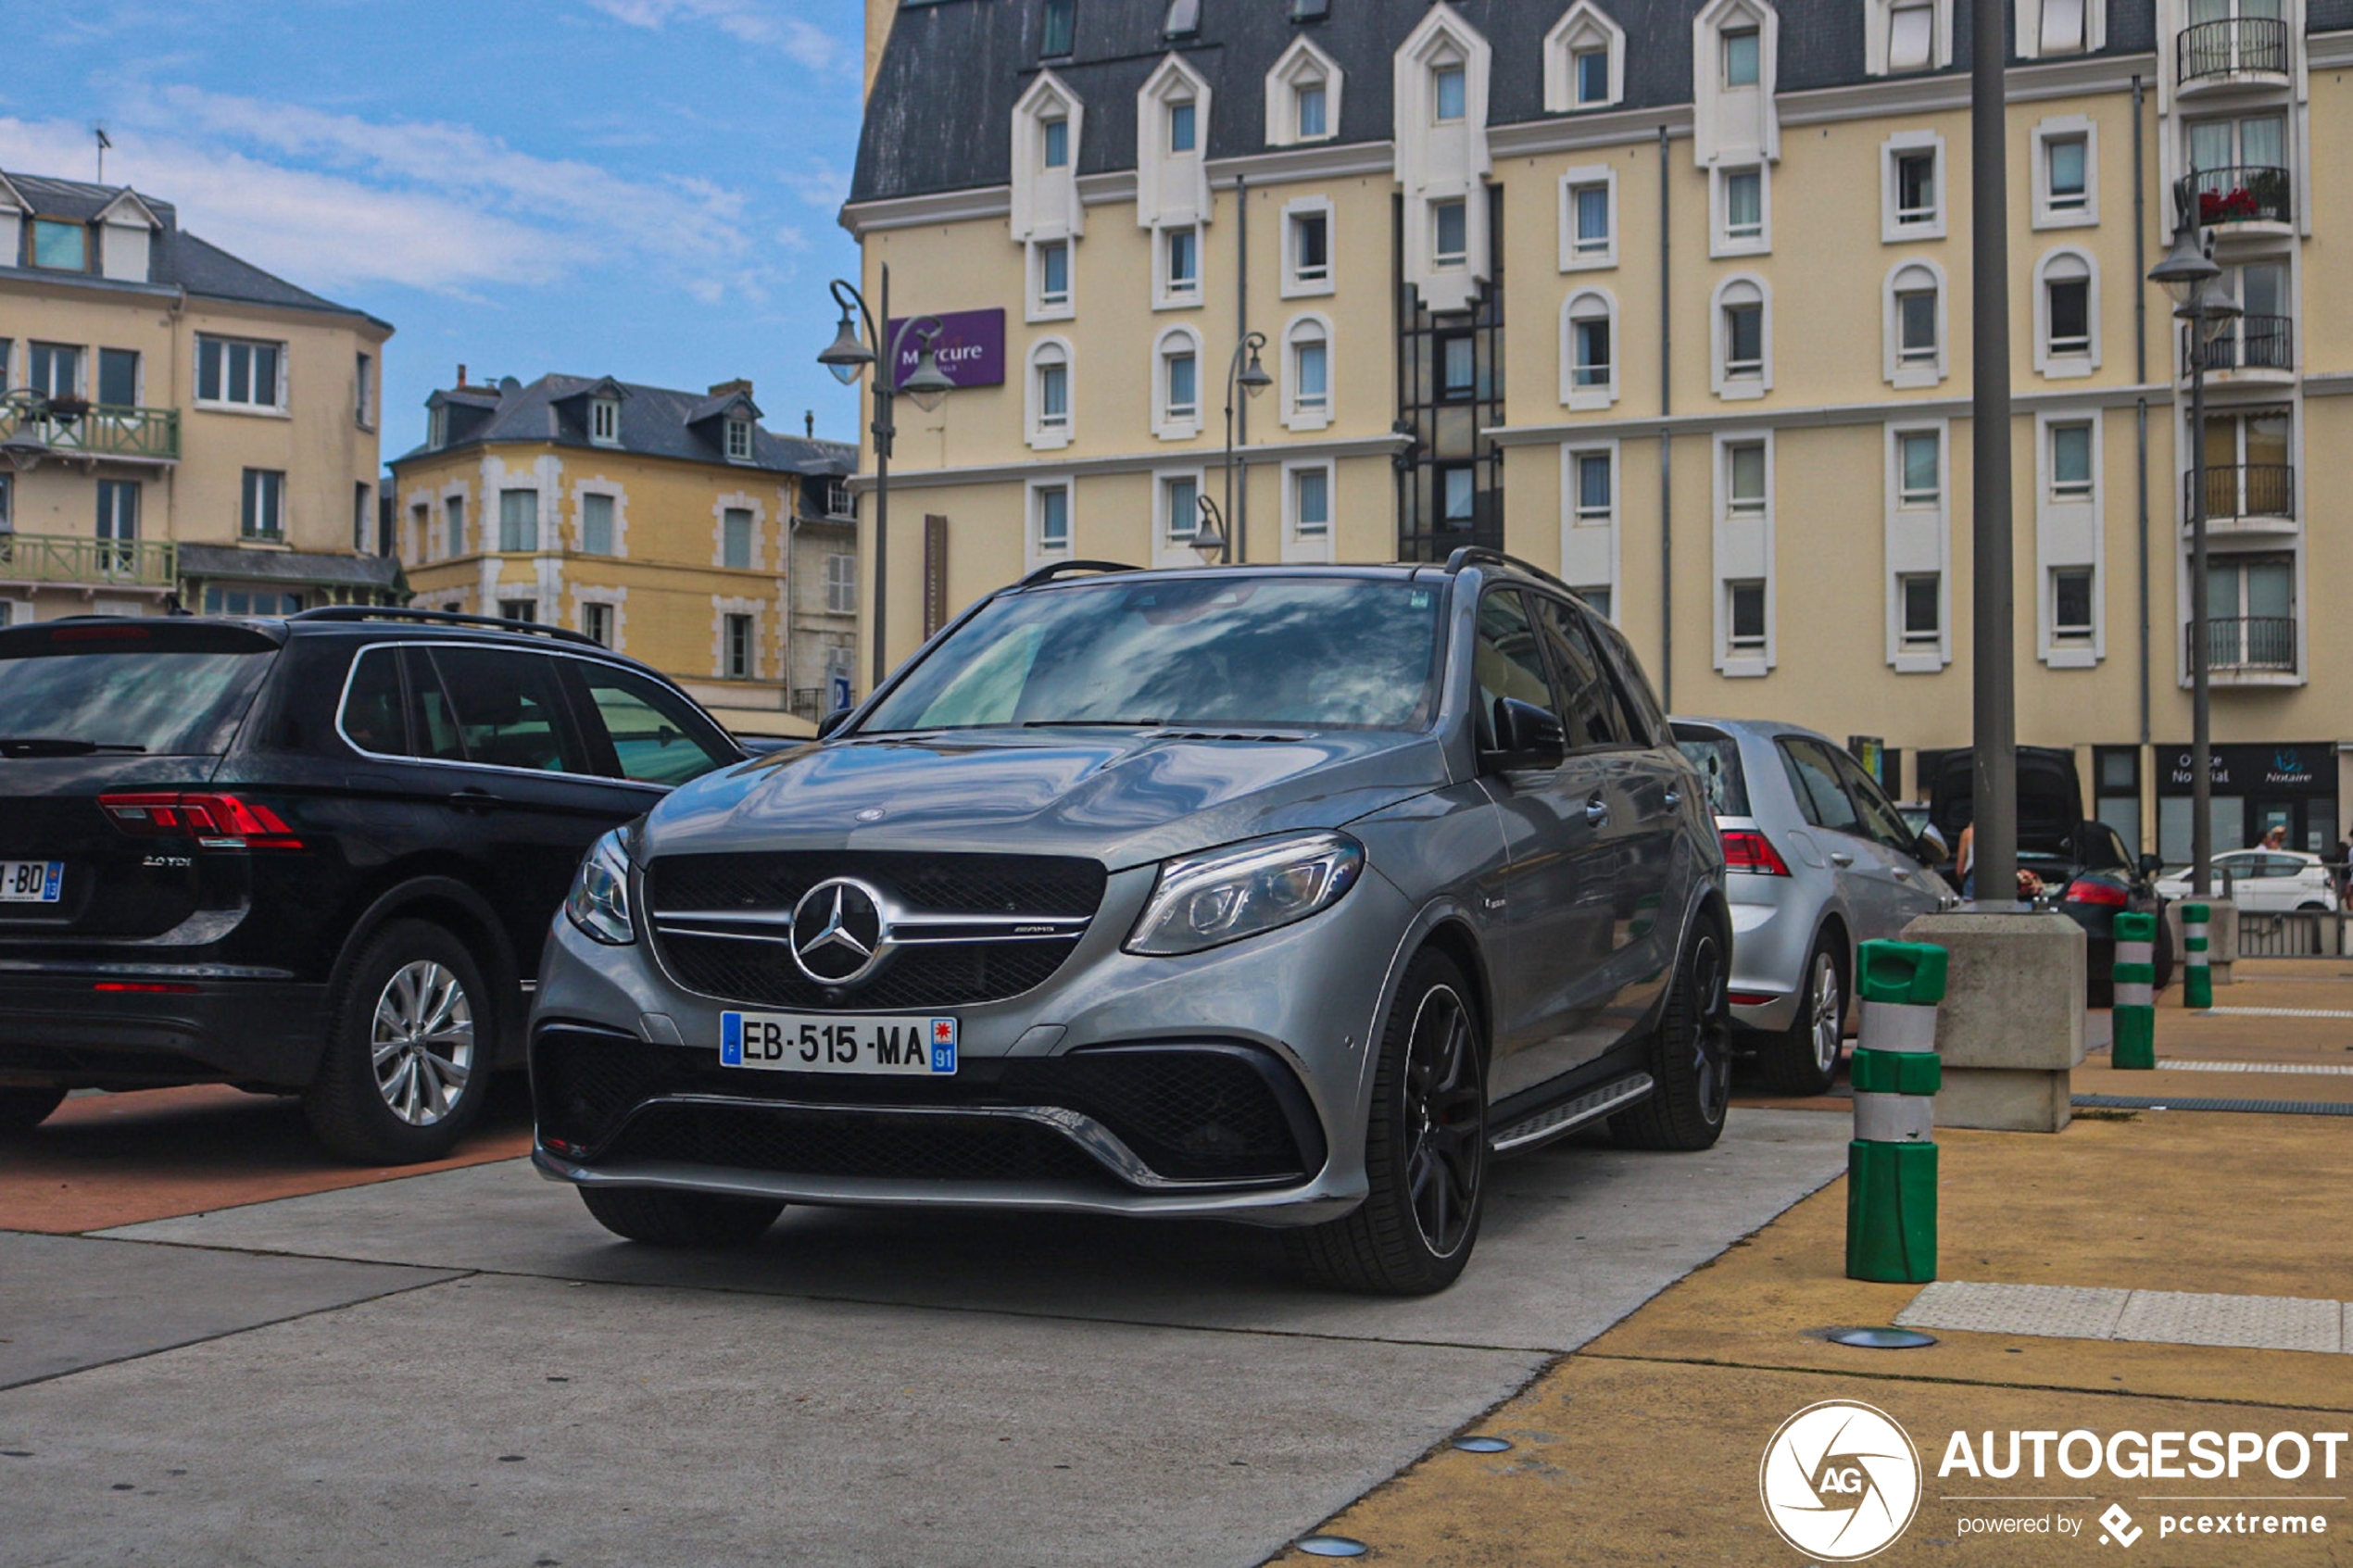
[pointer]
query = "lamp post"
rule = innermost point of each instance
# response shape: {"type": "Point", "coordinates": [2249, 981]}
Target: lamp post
{"type": "Point", "coordinates": [1209, 535]}
{"type": "Point", "coordinates": [2190, 276]}
{"type": "Point", "coordinates": [848, 357]}
{"type": "Point", "coordinates": [1993, 699]}
{"type": "Point", "coordinates": [1253, 379]}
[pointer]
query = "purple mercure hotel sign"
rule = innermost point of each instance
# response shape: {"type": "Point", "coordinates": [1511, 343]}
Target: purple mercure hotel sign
{"type": "Point", "coordinates": [970, 348]}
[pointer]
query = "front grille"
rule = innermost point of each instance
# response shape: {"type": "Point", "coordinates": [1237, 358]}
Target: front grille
{"type": "Point", "coordinates": [1199, 1112]}
{"type": "Point", "coordinates": [918, 977]}
{"type": "Point", "coordinates": [878, 1143]}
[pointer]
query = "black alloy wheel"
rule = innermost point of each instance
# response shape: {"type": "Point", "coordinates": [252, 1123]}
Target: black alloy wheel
{"type": "Point", "coordinates": [1802, 1058]}
{"type": "Point", "coordinates": [1425, 1149]}
{"type": "Point", "coordinates": [1690, 1055]}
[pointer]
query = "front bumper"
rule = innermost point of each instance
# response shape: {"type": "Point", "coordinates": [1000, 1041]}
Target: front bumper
{"type": "Point", "coordinates": [58, 1027]}
{"type": "Point", "coordinates": [1302, 1003]}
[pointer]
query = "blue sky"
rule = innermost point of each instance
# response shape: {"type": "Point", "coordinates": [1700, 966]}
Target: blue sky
{"type": "Point", "coordinates": [639, 188]}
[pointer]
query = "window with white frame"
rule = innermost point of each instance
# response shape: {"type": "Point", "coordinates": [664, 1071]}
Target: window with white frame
{"type": "Point", "coordinates": [235, 373]}
{"type": "Point", "coordinates": [1593, 501]}
{"type": "Point", "coordinates": [2066, 172]}
{"type": "Point", "coordinates": [1048, 377]}
{"type": "Point", "coordinates": [735, 538]}
{"type": "Point", "coordinates": [263, 513]}
{"type": "Point", "coordinates": [363, 405]}
{"type": "Point", "coordinates": [1589, 323]}
{"type": "Point", "coordinates": [604, 421]}
{"type": "Point", "coordinates": [1311, 496]}
{"type": "Point", "coordinates": [1744, 210]}
{"type": "Point", "coordinates": [1912, 187]}
{"type": "Point", "coordinates": [1584, 60]}
{"type": "Point", "coordinates": [1744, 614]}
{"type": "Point", "coordinates": [1920, 468]}
{"type": "Point", "coordinates": [1049, 296]}
{"type": "Point", "coordinates": [1742, 56]}
{"type": "Point", "coordinates": [1915, 325]}
{"type": "Point", "coordinates": [739, 441]}
{"type": "Point", "coordinates": [1179, 511]}
{"type": "Point", "coordinates": [1911, 37]}
{"type": "Point", "coordinates": [1589, 219]}
{"type": "Point", "coordinates": [1448, 91]}
{"type": "Point", "coordinates": [1904, 36]}
{"type": "Point", "coordinates": [453, 511]}
{"type": "Point", "coordinates": [2072, 462]}
{"type": "Point", "coordinates": [1180, 266]}
{"type": "Point", "coordinates": [2065, 314]}
{"type": "Point", "coordinates": [1176, 386]}
{"type": "Point", "coordinates": [1049, 519]}
{"type": "Point", "coordinates": [595, 622]}
{"type": "Point", "coordinates": [1743, 345]}
{"type": "Point", "coordinates": [1307, 247]}
{"type": "Point", "coordinates": [2062, 31]}
{"type": "Point", "coordinates": [1744, 485]}
{"type": "Point", "coordinates": [518, 520]}
{"type": "Point", "coordinates": [739, 646]}
{"type": "Point", "coordinates": [1182, 126]}
{"type": "Point", "coordinates": [841, 583]}
{"type": "Point", "coordinates": [2046, 29]}
{"type": "Point", "coordinates": [1310, 111]}
{"type": "Point", "coordinates": [1450, 233]}
{"type": "Point", "coordinates": [2071, 604]}
{"type": "Point", "coordinates": [596, 524]}
{"type": "Point", "coordinates": [1302, 95]}
{"type": "Point", "coordinates": [1054, 143]}
{"type": "Point", "coordinates": [1308, 366]}
{"type": "Point", "coordinates": [1920, 609]}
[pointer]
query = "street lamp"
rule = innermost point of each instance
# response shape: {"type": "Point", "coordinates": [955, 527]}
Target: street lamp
{"type": "Point", "coordinates": [1209, 539]}
{"type": "Point", "coordinates": [2190, 276]}
{"type": "Point", "coordinates": [847, 357]}
{"type": "Point", "coordinates": [1253, 379]}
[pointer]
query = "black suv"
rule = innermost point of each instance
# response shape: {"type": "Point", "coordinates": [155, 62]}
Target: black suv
{"type": "Point", "coordinates": [317, 854]}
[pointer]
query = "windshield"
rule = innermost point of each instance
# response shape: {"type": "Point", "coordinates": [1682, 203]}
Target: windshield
{"type": "Point", "coordinates": [171, 704]}
{"type": "Point", "coordinates": [1304, 652]}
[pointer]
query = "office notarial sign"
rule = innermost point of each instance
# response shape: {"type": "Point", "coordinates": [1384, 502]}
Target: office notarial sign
{"type": "Point", "coordinates": [2298, 768]}
{"type": "Point", "coordinates": [971, 346]}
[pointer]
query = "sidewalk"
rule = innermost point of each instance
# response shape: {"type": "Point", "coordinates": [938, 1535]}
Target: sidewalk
{"type": "Point", "coordinates": [1645, 1446]}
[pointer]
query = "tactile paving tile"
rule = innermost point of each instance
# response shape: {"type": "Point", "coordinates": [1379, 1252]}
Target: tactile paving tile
{"type": "Point", "coordinates": [2254, 1323]}
{"type": "Point", "coordinates": [2310, 1068]}
{"type": "Point", "coordinates": [2048, 1311]}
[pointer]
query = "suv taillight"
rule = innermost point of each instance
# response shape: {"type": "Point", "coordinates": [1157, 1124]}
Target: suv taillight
{"type": "Point", "coordinates": [1745, 849]}
{"type": "Point", "coordinates": [2086, 891]}
{"type": "Point", "coordinates": [215, 822]}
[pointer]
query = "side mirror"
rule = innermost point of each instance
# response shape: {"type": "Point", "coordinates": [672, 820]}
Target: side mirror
{"type": "Point", "coordinates": [2152, 864]}
{"type": "Point", "coordinates": [1527, 736]}
{"type": "Point", "coordinates": [1931, 850]}
{"type": "Point", "coordinates": [832, 721]}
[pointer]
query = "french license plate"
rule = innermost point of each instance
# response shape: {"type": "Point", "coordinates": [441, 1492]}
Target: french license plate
{"type": "Point", "coordinates": [32, 881]}
{"type": "Point", "coordinates": [796, 1042]}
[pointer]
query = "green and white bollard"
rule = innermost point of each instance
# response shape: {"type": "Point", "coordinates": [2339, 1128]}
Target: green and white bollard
{"type": "Point", "coordinates": [1891, 1164]}
{"type": "Point", "coordinates": [2135, 979]}
{"type": "Point", "coordinates": [2198, 977]}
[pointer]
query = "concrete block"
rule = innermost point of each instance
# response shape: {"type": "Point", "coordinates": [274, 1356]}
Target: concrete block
{"type": "Point", "coordinates": [2099, 1029]}
{"type": "Point", "coordinates": [2012, 1026]}
{"type": "Point", "coordinates": [2221, 937]}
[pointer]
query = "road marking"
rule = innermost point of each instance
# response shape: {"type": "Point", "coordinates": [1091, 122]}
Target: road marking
{"type": "Point", "coordinates": [2268, 1012]}
{"type": "Point", "coordinates": [2151, 1317]}
{"type": "Point", "coordinates": [2323, 1069]}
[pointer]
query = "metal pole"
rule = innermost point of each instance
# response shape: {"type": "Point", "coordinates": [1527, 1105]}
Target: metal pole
{"type": "Point", "coordinates": [1994, 748]}
{"type": "Point", "coordinates": [1241, 269]}
{"type": "Point", "coordinates": [2201, 711]}
{"type": "Point", "coordinates": [2140, 422]}
{"type": "Point", "coordinates": [886, 383]}
{"type": "Point", "coordinates": [1232, 368]}
{"type": "Point", "coordinates": [1665, 447]}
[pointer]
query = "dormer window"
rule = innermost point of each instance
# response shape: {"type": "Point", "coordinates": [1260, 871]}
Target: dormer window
{"type": "Point", "coordinates": [739, 441]}
{"type": "Point", "coordinates": [1180, 127]}
{"type": "Point", "coordinates": [61, 246]}
{"type": "Point", "coordinates": [1054, 38]}
{"type": "Point", "coordinates": [604, 420]}
{"type": "Point", "coordinates": [1583, 56]}
{"type": "Point", "coordinates": [1302, 96]}
{"type": "Point", "coordinates": [437, 428]}
{"type": "Point", "coordinates": [1449, 97]}
{"type": "Point", "coordinates": [1311, 106]}
{"type": "Point", "coordinates": [1911, 37]}
{"type": "Point", "coordinates": [1742, 57]}
{"type": "Point", "coordinates": [1310, 10]}
{"type": "Point", "coordinates": [1056, 142]}
{"type": "Point", "coordinates": [1591, 68]}
{"type": "Point", "coordinates": [1184, 18]}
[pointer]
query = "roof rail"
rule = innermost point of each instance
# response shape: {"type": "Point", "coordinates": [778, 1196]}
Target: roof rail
{"type": "Point", "coordinates": [1048, 573]}
{"type": "Point", "coordinates": [440, 617]}
{"type": "Point", "coordinates": [1470, 553]}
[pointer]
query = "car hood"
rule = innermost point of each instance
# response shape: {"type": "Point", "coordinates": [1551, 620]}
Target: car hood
{"type": "Point", "coordinates": [1124, 797]}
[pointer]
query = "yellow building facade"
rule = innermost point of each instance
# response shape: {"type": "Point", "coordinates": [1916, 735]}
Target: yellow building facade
{"type": "Point", "coordinates": [176, 425]}
{"type": "Point", "coordinates": [667, 525]}
{"type": "Point", "coordinates": [1682, 316]}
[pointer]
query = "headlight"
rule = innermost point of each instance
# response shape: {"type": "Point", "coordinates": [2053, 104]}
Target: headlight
{"type": "Point", "coordinates": [1204, 901]}
{"type": "Point", "coordinates": [598, 902]}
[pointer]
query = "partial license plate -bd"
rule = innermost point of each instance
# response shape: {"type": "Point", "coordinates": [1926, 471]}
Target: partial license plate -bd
{"type": "Point", "coordinates": [32, 881]}
{"type": "Point", "coordinates": [797, 1042]}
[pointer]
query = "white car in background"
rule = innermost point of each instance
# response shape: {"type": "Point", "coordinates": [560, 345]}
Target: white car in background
{"type": "Point", "coordinates": [2262, 880]}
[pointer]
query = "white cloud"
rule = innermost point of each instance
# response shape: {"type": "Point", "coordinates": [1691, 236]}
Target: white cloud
{"type": "Point", "coordinates": [747, 21]}
{"type": "Point", "coordinates": [820, 184]}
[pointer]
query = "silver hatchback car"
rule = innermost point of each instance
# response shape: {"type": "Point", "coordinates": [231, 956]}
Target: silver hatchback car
{"type": "Point", "coordinates": [1817, 862]}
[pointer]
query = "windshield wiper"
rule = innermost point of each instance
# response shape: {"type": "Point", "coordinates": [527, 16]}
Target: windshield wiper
{"type": "Point", "coordinates": [59, 745]}
{"type": "Point", "coordinates": [1092, 723]}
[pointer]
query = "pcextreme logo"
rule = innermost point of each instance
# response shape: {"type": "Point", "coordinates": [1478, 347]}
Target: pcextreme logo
{"type": "Point", "coordinates": [1840, 1481]}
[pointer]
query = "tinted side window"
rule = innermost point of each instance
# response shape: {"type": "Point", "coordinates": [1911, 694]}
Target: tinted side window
{"type": "Point", "coordinates": [1587, 704]}
{"type": "Point", "coordinates": [1641, 703]}
{"type": "Point", "coordinates": [1507, 663]}
{"type": "Point", "coordinates": [372, 716]}
{"type": "Point", "coordinates": [510, 709]}
{"type": "Point", "coordinates": [656, 737]}
{"type": "Point", "coordinates": [432, 721]}
{"type": "Point", "coordinates": [1813, 778]}
{"type": "Point", "coordinates": [1881, 819]}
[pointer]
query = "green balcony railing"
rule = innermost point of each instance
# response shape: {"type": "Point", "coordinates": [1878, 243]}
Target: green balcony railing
{"type": "Point", "coordinates": [68, 427]}
{"type": "Point", "coordinates": [66, 557]}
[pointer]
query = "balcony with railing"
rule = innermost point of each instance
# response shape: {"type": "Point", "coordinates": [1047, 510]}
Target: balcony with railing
{"type": "Point", "coordinates": [2238, 193]}
{"type": "Point", "coordinates": [80, 560]}
{"type": "Point", "coordinates": [2255, 645]}
{"type": "Point", "coordinates": [2252, 348]}
{"type": "Point", "coordinates": [33, 427]}
{"type": "Point", "coordinates": [2216, 54]}
{"type": "Point", "coordinates": [2264, 493]}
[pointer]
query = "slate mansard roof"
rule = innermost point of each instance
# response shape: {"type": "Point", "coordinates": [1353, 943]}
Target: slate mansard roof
{"type": "Point", "coordinates": [938, 118]}
{"type": "Point", "coordinates": [655, 421]}
{"type": "Point", "coordinates": [176, 258]}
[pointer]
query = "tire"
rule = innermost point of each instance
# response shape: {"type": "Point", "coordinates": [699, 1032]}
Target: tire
{"type": "Point", "coordinates": [1802, 1058]}
{"type": "Point", "coordinates": [1424, 1149]}
{"type": "Point", "coordinates": [658, 1217]}
{"type": "Point", "coordinates": [23, 1110]}
{"type": "Point", "coordinates": [416, 995]}
{"type": "Point", "coordinates": [1690, 1055]}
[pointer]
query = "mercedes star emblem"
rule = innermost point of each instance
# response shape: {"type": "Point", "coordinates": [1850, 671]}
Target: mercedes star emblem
{"type": "Point", "coordinates": [839, 932]}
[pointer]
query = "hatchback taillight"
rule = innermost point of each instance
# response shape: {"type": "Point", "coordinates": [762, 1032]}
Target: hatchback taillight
{"type": "Point", "coordinates": [1745, 849]}
{"type": "Point", "coordinates": [2087, 891]}
{"type": "Point", "coordinates": [215, 822]}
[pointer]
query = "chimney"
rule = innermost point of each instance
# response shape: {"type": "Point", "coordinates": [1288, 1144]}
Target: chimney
{"type": "Point", "coordinates": [741, 384]}
{"type": "Point", "coordinates": [462, 375]}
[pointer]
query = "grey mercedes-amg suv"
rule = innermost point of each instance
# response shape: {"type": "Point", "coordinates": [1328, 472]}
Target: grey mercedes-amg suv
{"type": "Point", "coordinates": [1289, 894]}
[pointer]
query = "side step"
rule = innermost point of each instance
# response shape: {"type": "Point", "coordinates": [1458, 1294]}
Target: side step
{"type": "Point", "coordinates": [1546, 1125]}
